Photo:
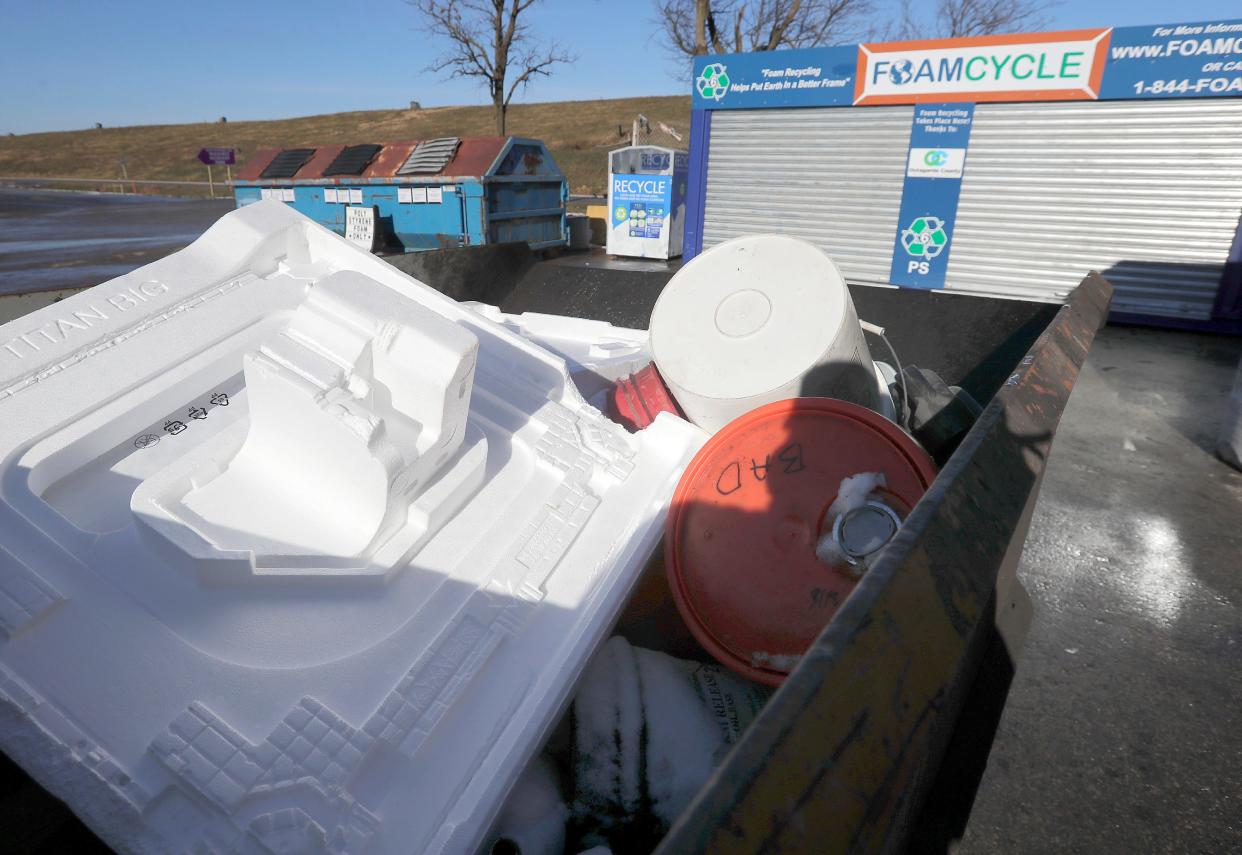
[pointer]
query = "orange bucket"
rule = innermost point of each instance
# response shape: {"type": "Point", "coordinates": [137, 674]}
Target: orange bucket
{"type": "Point", "coordinates": [748, 513]}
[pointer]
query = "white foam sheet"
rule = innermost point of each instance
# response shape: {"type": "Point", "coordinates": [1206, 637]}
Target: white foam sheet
{"type": "Point", "coordinates": [296, 553]}
{"type": "Point", "coordinates": [597, 353]}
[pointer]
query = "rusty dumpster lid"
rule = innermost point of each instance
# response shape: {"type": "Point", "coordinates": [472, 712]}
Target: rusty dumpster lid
{"type": "Point", "coordinates": [747, 515]}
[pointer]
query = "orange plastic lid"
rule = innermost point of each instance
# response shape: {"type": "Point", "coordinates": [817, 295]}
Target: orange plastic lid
{"type": "Point", "coordinates": [747, 514]}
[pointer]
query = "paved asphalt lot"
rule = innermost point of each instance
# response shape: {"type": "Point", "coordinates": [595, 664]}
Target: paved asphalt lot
{"type": "Point", "coordinates": [51, 239]}
{"type": "Point", "coordinates": [1123, 728]}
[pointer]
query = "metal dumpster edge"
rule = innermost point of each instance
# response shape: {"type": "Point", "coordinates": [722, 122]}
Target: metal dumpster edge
{"type": "Point", "coordinates": [843, 756]}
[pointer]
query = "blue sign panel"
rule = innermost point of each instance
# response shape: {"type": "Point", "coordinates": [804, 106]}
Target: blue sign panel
{"type": "Point", "coordinates": [938, 140]}
{"type": "Point", "coordinates": [1170, 61]}
{"type": "Point", "coordinates": [811, 77]}
{"type": "Point", "coordinates": [643, 202]}
{"type": "Point", "coordinates": [1174, 61]}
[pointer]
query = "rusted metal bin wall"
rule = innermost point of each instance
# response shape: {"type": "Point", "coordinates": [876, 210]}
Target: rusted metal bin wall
{"type": "Point", "coordinates": [845, 755]}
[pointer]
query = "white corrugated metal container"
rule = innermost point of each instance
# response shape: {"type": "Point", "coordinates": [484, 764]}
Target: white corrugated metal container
{"type": "Point", "coordinates": [1147, 192]}
{"type": "Point", "coordinates": [832, 176]}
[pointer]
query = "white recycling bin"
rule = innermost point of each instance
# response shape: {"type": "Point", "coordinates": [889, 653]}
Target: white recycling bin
{"type": "Point", "coordinates": [646, 201]}
{"type": "Point", "coordinates": [298, 554]}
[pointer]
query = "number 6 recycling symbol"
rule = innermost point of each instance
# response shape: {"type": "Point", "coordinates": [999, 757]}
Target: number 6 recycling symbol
{"type": "Point", "coordinates": [925, 237]}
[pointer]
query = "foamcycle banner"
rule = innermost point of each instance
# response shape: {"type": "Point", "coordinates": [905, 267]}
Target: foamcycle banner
{"type": "Point", "coordinates": [1195, 60]}
{"type": "Point", "coordinates": [1045, 67]}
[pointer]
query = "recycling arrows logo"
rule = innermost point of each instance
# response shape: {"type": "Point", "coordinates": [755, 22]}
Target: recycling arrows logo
{"type": "Point", "coordinates": [713, 82]}
{"type": "Point", "coordinates": [925, 237]}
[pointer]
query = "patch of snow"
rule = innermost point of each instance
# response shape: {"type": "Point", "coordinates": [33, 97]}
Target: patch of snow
{"type": "Point", "coordinates": [829, 551]}
{"type": "Point", "coordinates": [853, 493]}
{"type": "Point", "coordinates": [775, 661]}
{"type": "Point", "coordinates": [648, 730]}
{"type": "Point", "coordinates": [534, 816]}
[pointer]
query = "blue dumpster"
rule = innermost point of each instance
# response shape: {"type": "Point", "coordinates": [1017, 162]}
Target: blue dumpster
{"type": "Point", "coordinates": [427, 194]}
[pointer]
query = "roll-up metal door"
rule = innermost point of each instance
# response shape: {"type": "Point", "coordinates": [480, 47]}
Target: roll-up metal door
{"type": "Point", "coordinates": [831, 176]}
{"type": "Point", "coordinates": [1146, 192]}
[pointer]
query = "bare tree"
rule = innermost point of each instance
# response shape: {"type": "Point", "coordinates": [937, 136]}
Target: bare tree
{"type": "Point", "coordinates": [695, 27]}
{"type": "Point", "coordinates": [982, 17]}
{"type": "Point", "coordinates": [490, 40]}
{"type": "Point", "coordinates": [954, 18]}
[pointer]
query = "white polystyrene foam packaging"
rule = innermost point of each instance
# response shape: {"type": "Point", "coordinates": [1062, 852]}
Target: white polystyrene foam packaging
{"type": "Point", "coordinates": [596, 353]}
{"type": "Point", "coordinates": [759, 319]}
{"type": "Point", "coordinates": [299, 555]}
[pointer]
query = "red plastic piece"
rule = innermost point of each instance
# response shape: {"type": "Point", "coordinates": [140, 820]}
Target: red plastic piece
{"type": "Point", "coordinates": [746, 516]}
{"type": "Point", "coordinates": [635, 401]}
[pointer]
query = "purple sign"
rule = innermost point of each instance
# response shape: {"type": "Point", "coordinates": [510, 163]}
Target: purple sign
{"type": "Point", "coordinates": [212, 156]}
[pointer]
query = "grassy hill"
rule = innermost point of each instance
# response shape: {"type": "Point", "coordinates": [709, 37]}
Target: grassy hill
{"type": "Point", "coordinates": [578, 132]}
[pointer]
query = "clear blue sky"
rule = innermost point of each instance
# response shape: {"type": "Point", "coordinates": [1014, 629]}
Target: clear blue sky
{"type": "Point", "coordinates": [70, 63]}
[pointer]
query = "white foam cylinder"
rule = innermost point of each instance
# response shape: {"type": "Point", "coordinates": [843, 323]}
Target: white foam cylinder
{"type": "Point", "coordinates": [759, 319]}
